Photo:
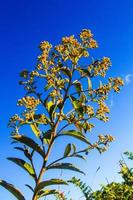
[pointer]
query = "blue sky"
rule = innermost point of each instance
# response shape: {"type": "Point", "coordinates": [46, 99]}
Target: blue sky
{"type": "Point", "coordinates": [23, 25]}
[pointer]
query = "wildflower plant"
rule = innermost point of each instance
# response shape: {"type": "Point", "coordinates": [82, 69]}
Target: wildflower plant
{"type": "Point", "coordinates": [61, 101]}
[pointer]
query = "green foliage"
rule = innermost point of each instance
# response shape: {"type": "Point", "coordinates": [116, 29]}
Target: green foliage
{"type": "Point", "coordinates": [84, 188]}
{"type": "Point", "coordinates": [16, 193]}
{"type": "Point", "coordinates": [59, 81]}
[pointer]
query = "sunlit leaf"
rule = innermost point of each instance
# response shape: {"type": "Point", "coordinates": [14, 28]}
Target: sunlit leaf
{"type": "Point", "coordinates": [67, 166]}
{"type": "Point", "coordinates": [89, 84]}
{"type": "Point", "coordinates": [12, 189]}
{"type": "Point", "coordinates": [76, 134]}
{"type": "Point", "coordinates": [26, 166]}
{"type": "Point", "coordinates": [67, 150]}
{"type": "Point", "coordinates": [46, 183]}
{"type": "Point", "coordinates": [35, 129]}
{"type": "Point", "coordinates": [78, 86]}
{"type": "Point", "coordinates": [66, 71]}
{"type": "Point", "coordinates": [30, 143]}
{"type": "Point", "coordinates": [43, 193]}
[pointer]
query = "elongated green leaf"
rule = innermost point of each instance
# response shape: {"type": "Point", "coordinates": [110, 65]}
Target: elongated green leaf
{"type": "Point", "coordinates": [78, 86]}
{"type": "Point", "coordinates": [77, 105]}
{"type": "Point", "coordinates": [76, 134]}
{"type": "Point", "coordinates": [43, 193]}
{"type": "Point", "coordinates": [67, 150]}
{"type": "Point", "coordinates": [67, 166]}
{"type": "Point", "coordinates": [29, 187]}
{"type": "Point", "coordinates": [26, 166]}
{"type": "Point", "coordinates": [29, 142]}
{"type": "Point", "coordinates": [66, 71]}
{"type": "Point", "coordinates": [44, 184]}
{"type": "Point", "coordinates": [11, 188]}
{"type": "Point", "coordinates": [47, 136]}
{"type": "Point", "coordinates": [35, 129]}
{"type": "Point", "coordinates": [51, 109]}
{"type": "Point", "coordinates": [89, 84]}
{"type": "Point", "coordinates": [80, 156]}
{"type": "Point", "coordinates": [74, 147]}
{"type": "Point", "coordinates": [101, 84]}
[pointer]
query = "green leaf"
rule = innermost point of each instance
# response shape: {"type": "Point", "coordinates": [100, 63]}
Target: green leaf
{"type": "Point", "coordinates": [77, 105]}
{"type": "Point", "coordinates": [101, 84]}
{"type": "Point", "coordinates": [66, 71]}
{"type": "Point", "coordinates": [47, 136]}
{"type": "Point", "coordinates": [12, 190]}
{"type": "Point", "coordinates": [35, 129]}
{"type": "Point", "coordinates": [26, 166]}
{"type": "Point", "coordinates": [78, 86]}
{"type": "Point", "coordinates": [74, 147]}
{"type": "Point", "coordinates": [67, 150]}
{"type": "Point", "coordinates": [89, 83]}
{"type": "Point", "coordinates": [51, 109]}
{"type": "Point", "coordinates": [84, 72]}
{"type": "Point", "coordinates": [67, 166]}
{"type": "Point", "coordinates": [43, 193]}
{"type": "Point", "coordinates": [43, 184]}
{"type": "Point", "coordinates": [30, 143]}
{"type": "Point", "coordinates": [29, 187]}
{"type": "Point", "coordinates": [80, 156]}
{"type": "Point", "coordinates": [76, 134]}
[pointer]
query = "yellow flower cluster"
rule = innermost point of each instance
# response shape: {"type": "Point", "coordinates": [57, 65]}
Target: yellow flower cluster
{"type": "Point", "coordinates": [15, 118]}
{"type": "Point", "coordinates": [28, 102]}
{"type": "Point", "coordinates": [40, 118]}
{"type": "Point", "coordinates": [85, 34]}
{"type": "Point", "coordinates": [92, 43]}
{"type": "Point", "coordinates": [71, 49]}
{"type": "Point", "coordinates": [105, 138]}
{"type": "Point", "coordinates": [102, 110]}
{"type": "Point", "coordinates": [87, 39]}
{"type": "Point", "coordinates": [89, 110]}
{"type": "Point", "coordinates": [117, 82]}
{"type": "Point", "coordinates": [88, 126]}
{"type": "Point", "coordinates": [100, 67]}
{"type": "Point", "coordinates": [103, 90]}
{"type": "Point", "coordinates": [45, 47]}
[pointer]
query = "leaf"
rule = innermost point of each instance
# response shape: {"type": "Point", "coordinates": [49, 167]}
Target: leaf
{"type": "Point", "coordinates": [66, 71]}
{"type": "Point", "coordinates": [77, 105]}
{"type": "Point", "coordinates": [47, 136]}
{"type": "Point", "coordinates": [51, 108]}
{"type": "Point", "coordinates": [101, 84]}
{"type": "Point", "coordinates": [67, 166]}
{"type": "Point", "coordinates": [89, 84]}
{"type": "Point", "coordinates": [19, 148]}
{"type": "Point", "coordinates": [76, 134]}
{"type": "Point", "coordinates": [84, 72]}
{"type": "Point", "coordinates": [43, 184]}
{"type": "Point", "coordinates": [67, 150]}
{"type": "Point", "coordinates": [78, 86]}
{"type": "Point", "coordinates": [43, 193]}
{"type": "Point", "coordinates": [12, 190]}
{"type": "Point", "coordinates": [49, 104]}
{"type": "Point", "coordinates": [35, 129]}
{"type": "Point", "coordinates": [74, 147]}
{"type": "Point", "coordinates": [80, 156]}
{"type": "Point", "coordinates": [29, 187]}
{"type": "Point", "coordinates": [30, 143]}
{"type": "Point", "coordinates": [26, 166]}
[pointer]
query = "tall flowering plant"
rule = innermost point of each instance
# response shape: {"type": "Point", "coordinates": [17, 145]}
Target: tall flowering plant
{"type": "Point", "coordinates": [61, 101]}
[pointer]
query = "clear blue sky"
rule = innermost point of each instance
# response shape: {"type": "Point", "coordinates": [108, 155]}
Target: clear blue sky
{"type": "Point", "coordinates": [23, 24]}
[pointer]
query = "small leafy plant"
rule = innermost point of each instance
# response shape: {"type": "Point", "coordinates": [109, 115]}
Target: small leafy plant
{"type": "Point", "coordinates": [63, 95]}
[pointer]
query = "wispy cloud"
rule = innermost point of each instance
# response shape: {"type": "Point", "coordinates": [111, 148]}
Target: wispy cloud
{"type": "Point", "coordinates": [128, 78]}
{"type": "Point", "coordinates": [111, 103]}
